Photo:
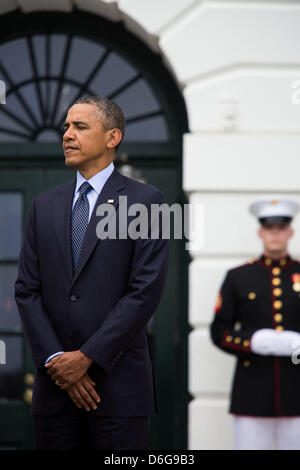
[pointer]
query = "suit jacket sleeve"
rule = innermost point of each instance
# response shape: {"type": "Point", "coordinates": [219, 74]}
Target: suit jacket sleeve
{"type": "Point", "coordinates": [35, 320]}
{"type": "Point", "coordinates": [132, 312]}
{"type": "Point", "coordinates": [222, 330]}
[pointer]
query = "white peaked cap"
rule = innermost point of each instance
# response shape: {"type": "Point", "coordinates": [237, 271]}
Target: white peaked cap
{"type": "Point", "coordinates": [275, 208]}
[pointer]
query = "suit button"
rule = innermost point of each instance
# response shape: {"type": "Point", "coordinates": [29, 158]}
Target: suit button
{"type": "Point", "coordinates": [246, 363]}
{"type": "Point", "coordinates": [73, 297]}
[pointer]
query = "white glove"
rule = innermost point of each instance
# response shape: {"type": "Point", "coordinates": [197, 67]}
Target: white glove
{"type": "Point", "coordinates": [269, 342]}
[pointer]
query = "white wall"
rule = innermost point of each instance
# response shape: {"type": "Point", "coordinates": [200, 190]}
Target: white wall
{"type": "Point", "coordinates": [244, 143]}
{"type": "Point", "coordinates": [236, 63]}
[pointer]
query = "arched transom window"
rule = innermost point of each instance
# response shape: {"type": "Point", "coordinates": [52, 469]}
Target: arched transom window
{"type": "Point", "coordinates": [45, 73]}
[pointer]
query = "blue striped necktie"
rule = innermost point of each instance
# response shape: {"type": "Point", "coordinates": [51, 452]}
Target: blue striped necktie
{"type": "Point", "coordinates": [79, 223]}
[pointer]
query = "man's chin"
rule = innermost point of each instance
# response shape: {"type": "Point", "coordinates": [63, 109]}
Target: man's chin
{"type": "Point", "coordinates": [71, 163]}
{"type": "Point", "coordinates": [276, 252]}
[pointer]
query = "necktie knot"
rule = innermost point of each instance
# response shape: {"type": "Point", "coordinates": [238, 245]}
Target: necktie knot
{"type": "Point", "coordinates": [85, 188]}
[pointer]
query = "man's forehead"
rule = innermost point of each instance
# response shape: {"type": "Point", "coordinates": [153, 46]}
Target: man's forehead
{"type": "Point", "coordinates": [275, 225]}
{"type": "Point", "coordinates": [82, 112]}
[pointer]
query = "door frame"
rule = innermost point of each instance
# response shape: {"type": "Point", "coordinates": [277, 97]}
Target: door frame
{"type": "Point", "coordinates": [159, 154]}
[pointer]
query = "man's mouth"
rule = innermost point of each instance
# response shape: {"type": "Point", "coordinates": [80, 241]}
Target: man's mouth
{"type": "Point", "coordinates": [69, 148]}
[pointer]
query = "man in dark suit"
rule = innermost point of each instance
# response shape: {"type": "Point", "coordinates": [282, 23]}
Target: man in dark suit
{"type": "Point", "coordinates": [85, 301]}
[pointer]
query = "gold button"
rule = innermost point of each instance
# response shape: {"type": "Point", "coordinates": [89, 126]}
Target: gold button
{"type": "Point", "coordinates": [278, 317]}
{"type": "Point", "coordinates": [276, 281]}
{"type": "Point", "coordinates": [277, 304]}
{"type": "Point", "coordinates": [246, 342]}
{"type": "Point", "coordinates": [276, 271]}
{"type": "Point", "coordinates": [251, 295]}
{"type": "Point", "coordinates": [279, 328]}
{"type": "Point", "coordinates": [282, 262]}
{"type": "Point", "coordinates": [268, 261]}
{"type": "Point", "coordinates": [237, 340]}
{"type": "Point", "coordinates": [228, 339]}
{"type": "Point", "coordinates": [277, 291]}
{"type": "Point", "coordinates": [246, 363]}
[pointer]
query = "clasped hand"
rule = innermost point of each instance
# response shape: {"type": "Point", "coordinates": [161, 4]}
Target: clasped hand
{"type": "Point", "coordinates": [69, 371]}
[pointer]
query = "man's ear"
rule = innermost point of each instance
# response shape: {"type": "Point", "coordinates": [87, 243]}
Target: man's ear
{"type": "Point", "coordinates": [114, 138]}
{"type": "Point", "coordinates": [259, 232]}
{"type": "Point", "coordinates": [291, 232]}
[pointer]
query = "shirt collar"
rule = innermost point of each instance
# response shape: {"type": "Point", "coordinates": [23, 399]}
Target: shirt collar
{"type": "Point", "coordinates": [269, 262]}
{"type": "Point", "coordinates": [98, 180]}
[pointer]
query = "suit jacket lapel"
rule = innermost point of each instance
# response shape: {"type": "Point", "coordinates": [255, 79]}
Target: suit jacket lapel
{"type": "Point", "coordinates": [62, 223]}
{"type": "Point", "coordinates": [110, 190]}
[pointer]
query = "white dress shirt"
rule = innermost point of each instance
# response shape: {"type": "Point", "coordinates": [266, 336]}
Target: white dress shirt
{"type": "Point", "coordinates": [97, 182]}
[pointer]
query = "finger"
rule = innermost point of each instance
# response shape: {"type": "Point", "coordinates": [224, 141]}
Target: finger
{"type": "Point", "coordinates": [66, 385]}
{"type": "Point", "coordinates": [61, 382]}
{"type": "Point", "coordinates": [79, 400]}
{"type": "Point", "coordinates": [92, 392]}
{"type": "Point", "coordinates": [52, 361]}
{"type": "Point", "coordinates": [55, 376]}
{"type": "Point", "coordinates": [53, 372]}
{"type": "Point", "coordinates": [74, 398]}
{"type": "Point", "coordinates": [90, 389]}
{"type": "Point", "coordinates": [78, 397]}
{"type": "Point", "coordinates": [61, 378]}
{"type": "Point", "coordinates": [87, 397]}
{"type": "Point", "coordinates": [89, 380]}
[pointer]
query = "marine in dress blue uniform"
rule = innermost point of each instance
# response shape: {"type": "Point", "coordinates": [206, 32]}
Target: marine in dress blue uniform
{"type": "Point", "coordinates": [257, 318]}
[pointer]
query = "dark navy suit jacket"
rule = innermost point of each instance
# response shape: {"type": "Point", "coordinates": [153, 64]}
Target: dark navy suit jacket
{"type": "Point", "coordinates": [103, 309]}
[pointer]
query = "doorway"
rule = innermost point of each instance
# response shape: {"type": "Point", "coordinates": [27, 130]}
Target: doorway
{"type": "Point", "coordinates": [121, 67]}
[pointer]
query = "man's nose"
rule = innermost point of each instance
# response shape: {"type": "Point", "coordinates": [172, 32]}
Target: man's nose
{"type": "Point", "coordinates": [69, 134]}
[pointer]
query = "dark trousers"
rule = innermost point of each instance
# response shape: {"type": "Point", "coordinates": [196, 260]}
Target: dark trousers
{"type": "Point", "coordinates": [75, 428]}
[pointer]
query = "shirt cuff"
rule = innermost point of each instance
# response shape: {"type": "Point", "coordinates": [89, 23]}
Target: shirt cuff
{"type": "Point", "coordinates": [53, 355]}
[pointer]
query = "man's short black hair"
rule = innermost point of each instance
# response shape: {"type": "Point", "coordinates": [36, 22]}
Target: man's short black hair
{"type": "Point", "coordinates": [110, 113]}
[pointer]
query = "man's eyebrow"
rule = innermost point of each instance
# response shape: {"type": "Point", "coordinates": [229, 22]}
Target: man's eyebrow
{"type": "Point", "coordinates": [76, 123]}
